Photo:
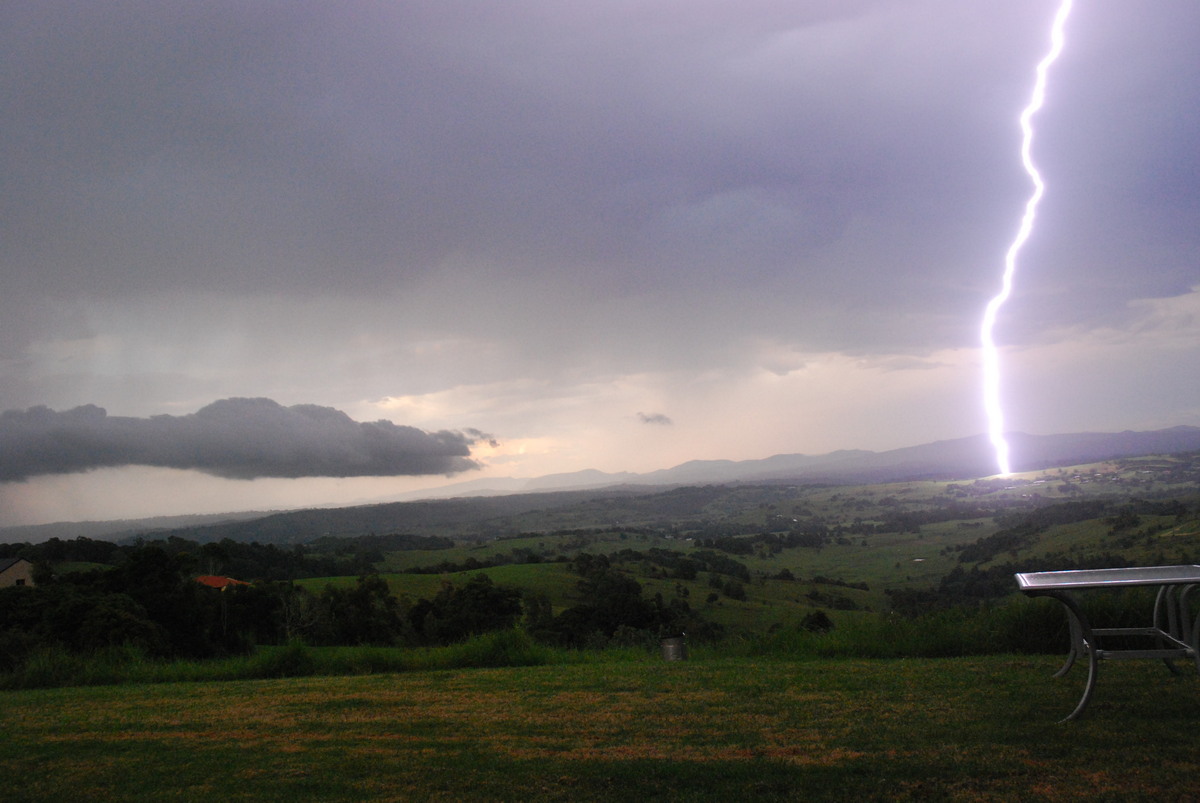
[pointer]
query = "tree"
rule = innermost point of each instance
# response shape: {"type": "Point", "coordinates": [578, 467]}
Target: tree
{"type": "Point", "coordinates": [614, 601]}
{"type": "Point", "coordinates": [539, 614]}
{"type": "Point", "coordinates": [364, 614]}
{"type": "Point", "coordinates": [456, 613]}
{"type": "Point", "coordinates": [300, 613]}
{"type": "Point", "coordinates": [817, 622]}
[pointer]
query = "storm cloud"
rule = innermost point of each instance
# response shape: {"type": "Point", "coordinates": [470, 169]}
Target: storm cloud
{"type": "Point", "coordinates": [233, 438]}
{"type": "Point", "coordinates": [779, 222]}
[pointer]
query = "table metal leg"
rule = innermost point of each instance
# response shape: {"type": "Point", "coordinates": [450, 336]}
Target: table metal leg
{"type": "Point", "coordinates": [1082, 641]}
{"type": "Point", "coordinates": [1196, 642]}
{"type": "Point", "coordinates": [1075, 648]}
{"type": "Point", "coordinates": [1167, 606]}
{"type": "Point", "coordinates": [1189, 630]}
{"type": "Point", "coordinates": [1093, 672]}
{"type": "Point", "coordinates": [1186, 612]}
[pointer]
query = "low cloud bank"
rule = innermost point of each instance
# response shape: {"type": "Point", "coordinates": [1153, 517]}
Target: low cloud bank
{"type": "Point", "coordinates": [234, 438]}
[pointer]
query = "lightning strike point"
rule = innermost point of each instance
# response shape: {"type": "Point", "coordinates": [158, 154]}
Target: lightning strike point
{"type": "Point", "coordinates": [991, 356]}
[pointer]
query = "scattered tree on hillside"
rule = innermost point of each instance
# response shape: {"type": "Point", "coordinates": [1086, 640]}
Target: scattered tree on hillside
{"type": "Point", "coordinates": [455, 614]}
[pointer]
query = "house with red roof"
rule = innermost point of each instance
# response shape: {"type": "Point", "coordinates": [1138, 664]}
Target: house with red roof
{"type": "Point", "coordinates": [216, 581]}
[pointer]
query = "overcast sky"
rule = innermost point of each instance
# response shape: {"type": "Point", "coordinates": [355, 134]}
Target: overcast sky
{"type": "Point", "coordinates": [530, 236]}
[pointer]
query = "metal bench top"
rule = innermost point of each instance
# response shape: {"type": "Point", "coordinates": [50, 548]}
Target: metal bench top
{"type": "Point", "coordinates": [1105, 578]}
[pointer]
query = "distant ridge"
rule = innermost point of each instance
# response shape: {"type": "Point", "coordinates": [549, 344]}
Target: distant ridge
{"type": "Point", "coordinates": [962, 458]}
{"type": "Point", "coordinates": [104, 530]}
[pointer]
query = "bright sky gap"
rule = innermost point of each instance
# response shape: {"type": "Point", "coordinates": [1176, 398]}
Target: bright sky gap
{"type": "Point", "coordinates": [991, 357]}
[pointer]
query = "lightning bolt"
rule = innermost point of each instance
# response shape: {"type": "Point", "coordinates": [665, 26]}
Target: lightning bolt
{"type": "Point", "coordinates": [991, 356]}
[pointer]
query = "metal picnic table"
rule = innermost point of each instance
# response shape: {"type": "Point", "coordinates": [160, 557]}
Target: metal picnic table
{"type": "Point", "coordinates": [1172, 630]}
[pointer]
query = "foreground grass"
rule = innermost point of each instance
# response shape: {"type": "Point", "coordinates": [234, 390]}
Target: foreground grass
{"type": "Point", "coordinates": [968, 728]}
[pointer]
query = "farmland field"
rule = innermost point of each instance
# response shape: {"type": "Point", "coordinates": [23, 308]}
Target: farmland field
{"type": "Point", "coordinates": [709, 729]}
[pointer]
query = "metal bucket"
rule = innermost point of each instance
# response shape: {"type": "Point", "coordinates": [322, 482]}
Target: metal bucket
{"type": "Point", "coordinates": [674, 649]}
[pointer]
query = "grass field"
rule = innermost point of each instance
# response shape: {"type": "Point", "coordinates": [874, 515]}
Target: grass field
{"type": "Point", "coordinates": [704, 729]}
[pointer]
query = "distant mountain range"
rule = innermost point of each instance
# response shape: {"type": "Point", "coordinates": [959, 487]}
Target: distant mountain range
{"type": "Point", "coordinates": [963, 458]}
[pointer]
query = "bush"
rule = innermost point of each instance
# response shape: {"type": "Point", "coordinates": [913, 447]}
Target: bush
{"type": "Point", "coordinates": [293, 661]}
{"type": "Point", "coordinates": [499, 648]}
{"type": "Point", "coordinates": [817, 622]}
{"type": "Point", "coordinates": [15, 647]}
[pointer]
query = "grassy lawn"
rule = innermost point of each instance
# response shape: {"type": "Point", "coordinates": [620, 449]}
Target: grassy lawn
{"type": "Point", "coordinates": [705, 729]}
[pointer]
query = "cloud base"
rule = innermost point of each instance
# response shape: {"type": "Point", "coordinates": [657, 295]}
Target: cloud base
{"type": "Point", "coordinates": [235, 438]}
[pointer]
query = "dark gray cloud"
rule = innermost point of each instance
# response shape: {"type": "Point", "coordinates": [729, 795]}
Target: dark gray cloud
{"type": "Point", "coordinates": [233, 438]}
{"type": "Point", "coordinates": [655, 418]}
{"type": "Point", "coordinates": [808, 155]}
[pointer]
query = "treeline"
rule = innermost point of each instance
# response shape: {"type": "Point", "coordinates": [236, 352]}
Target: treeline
{"type": "Point", "coordinates": [655, 561]}
{"type": "Point", "coordinates": [473, 564]}
{"type": "Point", "coordinates": [1022, 530]}
{"type": "Point", "coordinates": [394, 542]}
{"type": "Point", "coordinates": [151, 602]}
{"type": "Point", "coordinates": [367, 613]}
{"type": "Point", "coordinates": [814, 536]}
{"type": "Point", "coordinates": [968, 584]}
{"type": "Point", "coordinates": [972, 586]}
{"type": "Point", "coordinates": [664, 563]}
{"type": "Point", "coordinates": [613, 610]}
{"type": "Point", "coordinates": [325, 557]}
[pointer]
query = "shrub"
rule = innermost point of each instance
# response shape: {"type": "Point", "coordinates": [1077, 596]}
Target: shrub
{"type": "Point", "coordinates": [499, 648]}
{"type": "Point", "coordinates": [294, 660]}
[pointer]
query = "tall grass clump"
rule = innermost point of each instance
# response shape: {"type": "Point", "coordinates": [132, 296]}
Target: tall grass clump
{"type": "Point", "coordinates": [291, 661]}
{"type": "Point", "coordinates": [52, 666]}
{"type": "Point", "coordinates": [499, 648]}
